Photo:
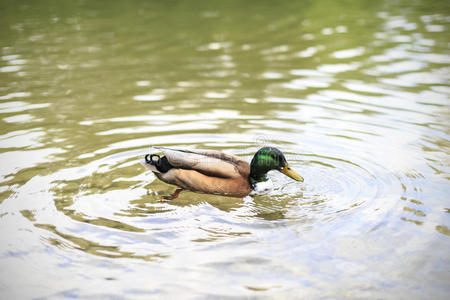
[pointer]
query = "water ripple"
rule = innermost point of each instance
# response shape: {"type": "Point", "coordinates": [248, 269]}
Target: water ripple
{"type": "Point", "coordinates": [358, 102]}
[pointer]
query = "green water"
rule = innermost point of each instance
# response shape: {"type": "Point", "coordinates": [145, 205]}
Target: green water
{"type": "Point", "coordinates": [355, 93]}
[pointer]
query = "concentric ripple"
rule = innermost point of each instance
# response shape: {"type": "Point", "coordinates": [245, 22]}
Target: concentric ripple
{"type": "Point", "coordinates": [357, 99]}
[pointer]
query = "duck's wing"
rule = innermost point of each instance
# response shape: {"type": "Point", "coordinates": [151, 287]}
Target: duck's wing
{"type": "Point", "coordinates": [211, 162]}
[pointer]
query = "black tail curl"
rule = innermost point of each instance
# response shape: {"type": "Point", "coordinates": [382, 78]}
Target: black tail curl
{"type": "Point", "coordinates": [161, 163]}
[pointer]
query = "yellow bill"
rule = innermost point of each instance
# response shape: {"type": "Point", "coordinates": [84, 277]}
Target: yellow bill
{"type": "Point", "coordinates": [291, 173]}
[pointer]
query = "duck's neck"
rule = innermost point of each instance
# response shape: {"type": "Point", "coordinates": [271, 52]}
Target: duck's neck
{"type": "Point", "coordinates": [260, 165]}
{"type": "Point", "coordinates": [253, 179]}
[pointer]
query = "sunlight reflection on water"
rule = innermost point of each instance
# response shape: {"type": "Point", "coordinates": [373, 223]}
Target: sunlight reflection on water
{"type": "Point", "coordinates": [358, 104]}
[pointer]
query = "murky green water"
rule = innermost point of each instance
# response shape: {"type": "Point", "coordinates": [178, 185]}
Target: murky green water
{"type": "Point", "coordinates": [356, 93]}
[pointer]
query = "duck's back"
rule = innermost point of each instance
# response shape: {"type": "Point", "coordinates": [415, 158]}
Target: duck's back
{"type": "Point", "coordinates": [208, 162]}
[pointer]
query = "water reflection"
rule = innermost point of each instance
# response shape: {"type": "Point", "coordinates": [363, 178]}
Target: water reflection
{"type": "Point", "coordinates": [358, 102]}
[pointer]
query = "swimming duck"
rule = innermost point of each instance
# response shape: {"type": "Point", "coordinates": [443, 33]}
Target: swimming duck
{"type": "Point", "coordinates": [214, 172]}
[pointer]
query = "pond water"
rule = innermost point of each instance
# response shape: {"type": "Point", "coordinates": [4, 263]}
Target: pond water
{"type": "Point", "coordinates": [355, 93]}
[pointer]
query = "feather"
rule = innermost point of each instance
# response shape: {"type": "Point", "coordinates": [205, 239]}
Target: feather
{"type": "Point", "coordinates": [201, 183]}
{"type": "Point", "coordinates": [149, 166]}
{"type": "Point", "coordinates": [214, 163]}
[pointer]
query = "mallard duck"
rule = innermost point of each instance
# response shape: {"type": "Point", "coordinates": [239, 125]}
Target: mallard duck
{"type": "Point", "coordinates": [214, 172]}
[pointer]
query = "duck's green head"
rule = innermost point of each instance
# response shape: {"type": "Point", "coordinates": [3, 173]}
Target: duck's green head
{"type": "Point", "coordinates": [266, 159]}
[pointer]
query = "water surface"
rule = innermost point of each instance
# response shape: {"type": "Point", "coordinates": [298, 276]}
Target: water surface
{"type": "Point", "coordinates": [355, 93]}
